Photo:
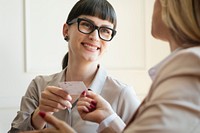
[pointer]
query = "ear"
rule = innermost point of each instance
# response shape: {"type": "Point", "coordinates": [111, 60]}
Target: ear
{"type": "Point", "coordinates": [65, 30]}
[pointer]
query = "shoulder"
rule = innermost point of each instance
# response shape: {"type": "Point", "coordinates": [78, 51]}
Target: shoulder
{"type": "Point", "coordinates": [188, 55]}
{"type": "Point", "coordinates": [118, 88]}
{"type": "Point", "coordinates": [184, 62]}
{"type": "Point", "coordinates": [117, 84]}
{"type": "Point", "coordinates": [110, 80]}
{"type": "Point", "coordinates": [44, 80]}
{"type": "Point", "coordinates": [176, 88]}
{"type": "Point", "coordinates": [181, 69]}
{"type": "Point", "coordinates": [50, 78]}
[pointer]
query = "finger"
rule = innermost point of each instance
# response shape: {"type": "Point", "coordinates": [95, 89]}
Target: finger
{"type": "Point", "coordinates": [86, 106]}
{"type": "Point", "coordinates": [51, 104]}
{"type": "Point", "coordinates": [47, 94]}
{"type": "Point", "coordinates": [83, 94]}
{"type": "Point", "coordinates": [85, 99]}
{"type": "Point", "coordinates": [59, 92]}
{"type": "Point", "coordinates": [83, 103]}
{"type": "Point", "coordinates": [62, 104]}
{"type": "Point", "coordinates": [50, 99]}
{"type": "Point", "coordinates": [83, 106]}
{"type": "Point", "coordinates": [90, 94]}
{"type": "Point", "coordinates": [86, 93]}
{"type": "Point", "coordinates": [83, 109]}
{"type": "Point", "coordinates": [47, 109]}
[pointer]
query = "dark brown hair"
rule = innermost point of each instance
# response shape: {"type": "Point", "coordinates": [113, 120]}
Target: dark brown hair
{"type": "Point", "coordinates": [98, 8]}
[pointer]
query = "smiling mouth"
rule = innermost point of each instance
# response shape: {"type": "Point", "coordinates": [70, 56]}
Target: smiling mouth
{"type": "Point", "coordinates": [91, 47]}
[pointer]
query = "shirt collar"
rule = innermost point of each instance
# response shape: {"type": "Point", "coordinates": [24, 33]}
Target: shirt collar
{"type": "Point", "coordinates": [99, 80]}
{"type": "Point", "coordinates": [154, 70]}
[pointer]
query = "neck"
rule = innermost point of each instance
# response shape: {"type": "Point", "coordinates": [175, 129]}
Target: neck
{"type": "Point", "coordinates": [174, 43]}
{"type": "Point", "coordinates": [173, 46]}
{"type": "Point", "coordinates": [81, 73]}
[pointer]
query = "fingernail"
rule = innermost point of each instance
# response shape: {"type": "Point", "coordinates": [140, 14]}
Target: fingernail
{"type": "Point", "coordinates": [86, 111]}
{"type": "Point", "coordinates": [70, 99]}
{"type": "Point", "coordinates": [92, 106]}
{"type": "Point", "coordinates": [70, 106]}
{"type": "Point", "coordinates": [83, 93]}
{"type": "Point", "coordinates": [94, 103]}
{"type": "Point", "coordinates": [42, 114]}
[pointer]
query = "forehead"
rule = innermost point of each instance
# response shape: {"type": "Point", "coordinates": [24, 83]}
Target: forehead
{"type": "Point", "coordinates": [97, 21]}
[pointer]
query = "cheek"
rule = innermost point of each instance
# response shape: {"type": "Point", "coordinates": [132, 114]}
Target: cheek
{"type": "Point", "coordinates": [157, 24]}
{"type": "Point", "coordinates": [75, 38]}
{"type": "Point", "coordinates": [159, 29]}
{"type": "Point", "coordinates": [154, 28]}
{"type": "Point", "coordinates": [105, 48]}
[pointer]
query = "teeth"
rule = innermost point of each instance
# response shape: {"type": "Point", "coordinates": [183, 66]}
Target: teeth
{"type": "Point", "coordinates": [91, 47]}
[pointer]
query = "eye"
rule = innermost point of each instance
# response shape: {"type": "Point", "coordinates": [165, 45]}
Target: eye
{"type": "Point", "coordinates": [86, 24]}
{"type": "Point", "coordinates": [105, 30]}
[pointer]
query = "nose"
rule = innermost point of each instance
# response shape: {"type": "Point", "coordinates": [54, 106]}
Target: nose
{"type": "Point", "coordinates": [94, 35]}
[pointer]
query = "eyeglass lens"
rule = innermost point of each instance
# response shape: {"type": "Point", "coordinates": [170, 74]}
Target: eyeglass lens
{"type": "Point", "coordinates": [87, 27]}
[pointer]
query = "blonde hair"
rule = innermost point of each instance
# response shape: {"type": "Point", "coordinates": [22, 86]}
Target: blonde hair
{"type": "Point", "coordinates": [183, 18]}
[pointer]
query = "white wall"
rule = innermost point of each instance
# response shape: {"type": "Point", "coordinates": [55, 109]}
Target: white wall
{"type": "Point", "coordinates": [31, 43]}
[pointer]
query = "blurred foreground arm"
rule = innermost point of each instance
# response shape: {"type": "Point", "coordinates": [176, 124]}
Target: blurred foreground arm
{"type": "Point", "coordinates": [59, 126]}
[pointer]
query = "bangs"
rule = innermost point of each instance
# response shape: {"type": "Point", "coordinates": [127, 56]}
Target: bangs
{"type": "Point", "coordinates": [98, 8]}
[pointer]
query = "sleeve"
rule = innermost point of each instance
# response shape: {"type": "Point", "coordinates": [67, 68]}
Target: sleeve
{"type": "Point", "coordinates": [29, 103]}
{"type": "Point", "coordinates": [112, 124]}
{"type": "Point", "coordinates": [172, 105]}
{"type": "Point", "coordinates": [127, 104]}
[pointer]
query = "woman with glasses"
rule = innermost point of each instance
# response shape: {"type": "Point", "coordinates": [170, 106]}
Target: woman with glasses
{"type": "Point", "coordinates": [89, 29]}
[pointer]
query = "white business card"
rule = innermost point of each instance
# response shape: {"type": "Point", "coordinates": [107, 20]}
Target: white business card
{"type": "Point", "coordinates": [73, 87]}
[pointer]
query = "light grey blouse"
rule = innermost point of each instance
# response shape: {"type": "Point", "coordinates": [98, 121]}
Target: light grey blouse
{"type": "Point", "coordinates": [121, 97]}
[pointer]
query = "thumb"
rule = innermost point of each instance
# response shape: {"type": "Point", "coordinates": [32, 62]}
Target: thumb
{"type": "Point", "coordinates": [49, 118]}
{"type": "Point", "coordinates": [83, 94]}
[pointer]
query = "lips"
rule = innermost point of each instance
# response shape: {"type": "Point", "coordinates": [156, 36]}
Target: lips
{"type": "Point", "coordinates": [90, 46]}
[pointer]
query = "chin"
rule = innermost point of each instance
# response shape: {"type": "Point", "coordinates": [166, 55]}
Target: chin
{"type": "Point", "coordinates": [93, 58]}
{"type": "Point", "coordinates": [156, 34]}
{"type": "Point", "coordinates": [153, 34]}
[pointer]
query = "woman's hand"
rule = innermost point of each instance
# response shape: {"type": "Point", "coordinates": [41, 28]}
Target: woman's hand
{"type": "Point", "coordinates": [59, 126]}
{"type": "Point", "coordinates": [52, 100]}
{"type": "Point", "coordinates": [93, 107]}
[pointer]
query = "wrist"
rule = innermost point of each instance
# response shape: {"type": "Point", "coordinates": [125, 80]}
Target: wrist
{"type": "Point", "coordinates": [104, 115]}
{"type": "Point", "coordinates": [36, 120]}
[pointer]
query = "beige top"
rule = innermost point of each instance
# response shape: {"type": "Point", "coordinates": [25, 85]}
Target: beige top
{"type": "Point", "coordinates": [173, 102]}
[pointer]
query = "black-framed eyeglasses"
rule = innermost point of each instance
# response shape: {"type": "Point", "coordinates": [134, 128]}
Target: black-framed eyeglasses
{"type": "Point", "coordinates": [87, 27]}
